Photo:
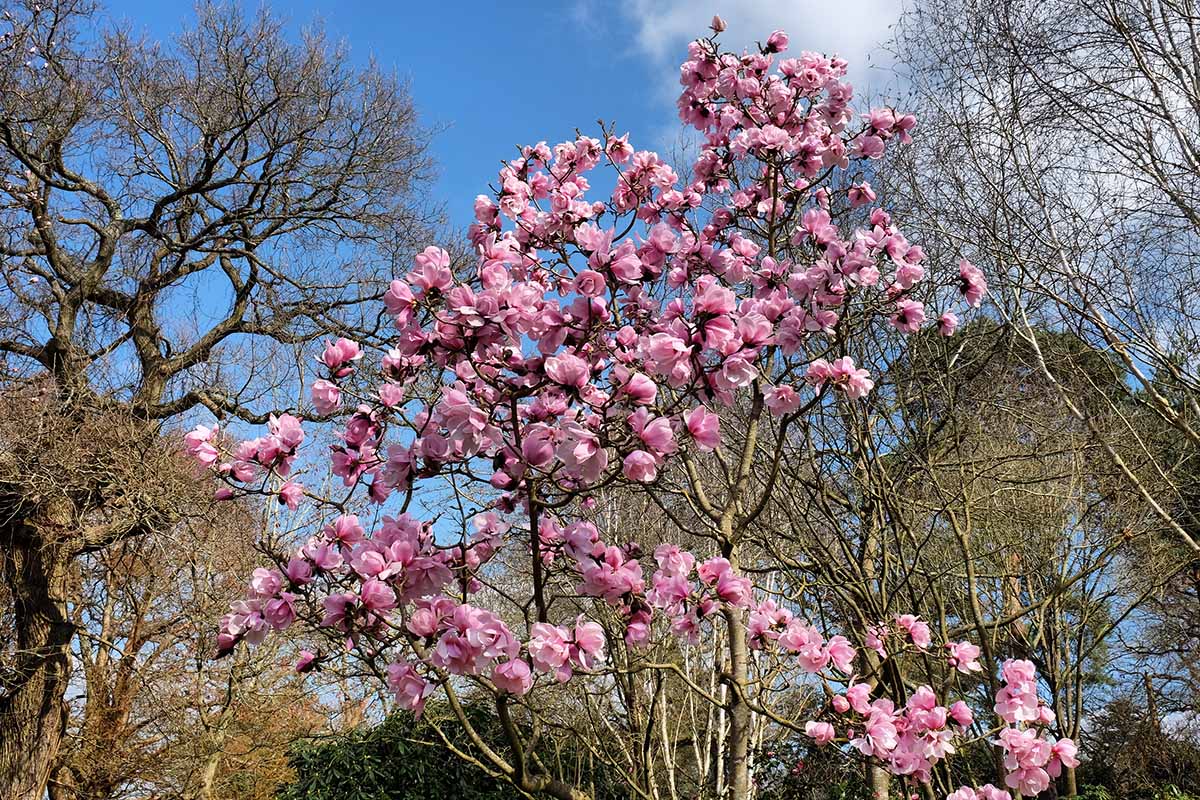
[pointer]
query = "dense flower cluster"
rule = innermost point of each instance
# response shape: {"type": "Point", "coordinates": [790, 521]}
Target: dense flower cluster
{"type": "Point", "coordinates": [595, 341]}
{"type": "Point", "coordinates": [1031, 756]}
{"type": "Point", "coordinates": [911, 739]}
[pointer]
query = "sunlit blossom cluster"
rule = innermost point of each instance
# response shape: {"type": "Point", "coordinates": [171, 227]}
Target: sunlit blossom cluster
{"type": "Point", "coordinates": [594, 341]}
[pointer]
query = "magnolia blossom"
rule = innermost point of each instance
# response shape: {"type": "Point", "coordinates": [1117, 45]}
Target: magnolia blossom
{"type": "Point", "coordinates": [326, 396]}
{"type": "Point", "coordinates": [964, 657]}
{"type": "Point", "coordinates": [704, 427]}
{"type": "Point", "coordinates": [948, 323]}
{"type": "Point", "coordinates": [409, 688]}
{"type": "Point", "coordinates": [513, 677]}
{"type": "Point", "coordinates": [985, 792]}
{"type": "Point", "coordinates": [596, 339]}
{"type": "Point", "coordinates": [909, 316]}
{"type": "Point", "coordinates": [199, 445]}
{"type": "Point", "coordinates": [971, 283]}
{"type": "Point", "coordinates": [339, 354]}
{"type": "Point", "coordinates": [821, 732]}
{"type": "Point", "coordinates": [290, 494]}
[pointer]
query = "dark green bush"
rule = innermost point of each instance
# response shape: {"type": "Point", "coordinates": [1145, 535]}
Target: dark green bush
{"type": "Point", "coordinates": [395, 760]}
{"type": "Point", "coordinates": [403, 758]}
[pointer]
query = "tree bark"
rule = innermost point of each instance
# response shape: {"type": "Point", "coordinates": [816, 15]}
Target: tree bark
{"type": "Point", "coordinates": [208, 773]}
{"type": "Point", "coordinates": [33, 712]}
{"type": "Point", "coordinates": [880, 781]}
{"type": "Point", "coordinates": [1070, 789]}
{"type": "Point", "coordinates": [739, 710]}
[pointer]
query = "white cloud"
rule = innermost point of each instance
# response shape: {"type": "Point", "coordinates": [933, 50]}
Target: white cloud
{"type": "Point", "coordinates": [852, 29]}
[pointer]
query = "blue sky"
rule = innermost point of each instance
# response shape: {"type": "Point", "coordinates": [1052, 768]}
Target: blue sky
{"type": "Point", "coordinates": [494, 75]}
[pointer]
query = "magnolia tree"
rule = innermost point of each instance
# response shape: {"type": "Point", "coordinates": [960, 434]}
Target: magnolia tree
{"type": "Point", "coordinates": [658, 338]}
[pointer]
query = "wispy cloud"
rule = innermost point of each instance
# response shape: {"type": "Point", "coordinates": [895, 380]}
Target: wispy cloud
{"type": "Point", "coordinates": [852, 29]}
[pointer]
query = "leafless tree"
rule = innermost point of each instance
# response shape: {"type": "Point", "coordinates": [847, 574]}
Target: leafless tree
{"type": "Point", "coordinates": [166, 212]}
{"type": "Point", "coordinates": [1060, 150]}
{"type": "Point", "coordinates": [150, 710]}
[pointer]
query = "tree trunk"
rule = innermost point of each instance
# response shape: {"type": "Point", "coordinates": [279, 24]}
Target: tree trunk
{"type": "Point", "coordinates": [208, 773]}
{"type": "Point", "coordinates": [33, 711]}
{"type": "Point", "coordinates": [1070, 789]}
{"type": "Point", "coordinates": [880, 781]}
{"type": "Point", "coordinates": [739, 712]}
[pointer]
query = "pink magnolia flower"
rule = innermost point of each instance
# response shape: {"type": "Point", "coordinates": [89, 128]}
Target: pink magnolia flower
{"type": "Point", "coordinates": [590, 283]}
{"type": "Point", "coordinates": [326, 396]}
{"type": "Point", "coordinates": [550, 650]}
{"type": "Point", "coordinates": [398, 300]}
{"type": "Point", "coordinates": [339, 354]}
{"type": "Point", "coordinates": [640, 466]}
{"type": "Point", "coordinates": [734, 589]}
{"type": "Point", "coordinates": [339, 609]}
{"type": "Point", "coordinates": [909, 316]}
{"type": "Point", "coordinates": [782, 400]}
{"type": "Point", "coordinates": [513, 677]}
{"type": "Point", "coordinates": [859, 695]}
{"type": "Point", "coordinates": [856, 383]}
{"type": "Point", "coordinates": [961, 713]}
{"type": "Point", "coordinates": [265, 582]}
{"type": "Point", "coordinates": [568, 370]}
{"type": "Point", "coordinates": [879, 733]}
{"type": "Point", "coordinates": [377, 596]}
{"type": "Point", "coordinates": [1062, 755]}
{"type": "Point", "coordinates": [408, 687]}
{"type": "Point", "coordinates": [199, 445]}
{"type": "Point", "coordinates": [640, 389]}
{"type": "Point", "coordinates": [619, 149]}
{"type": "Point", "coordinates": [948, 323]}
{"type": "Point", "coordinates": [655, 432]}
{"type": "Point", "coordinates": [345, 530]}
{"type": "Point", "coordinates": [306, 662]}
{"type": "Point", "coordinates": [821, 732]}
{"type": "Point", "coordinates": [673, 560]}
{"type": "Point", "coordinates": [299, 570]}
{"type": "Point", "coordinates": [290, 494]}
{"type": "Point", "coordinates": [589, 643]}
{"type": "Point", "coordinates": [971, 283]}
{"type": "Point", "coordinates": [869, 146]}
{"type": "Point", "coordinates": [985, 792]}
{"type": "Point", "coordinates": [861, 194]}
{"type": "Point", "coordinates": [917, 630]}
{"type": "Point", "coordinates": [280, 612]}
{"type": "Point", "coordinates": [432, 271]}
{"type": "Point", "coordinates": [391, 394]}
{"type": "Point", "coordinates": [874, 640]}
{"type": "Point", "coordinates": [1017, 700]}
{"type": "Point", "coordinates": [704, 428]}
{"type": "Point", "coordinates": [819, 371]}
{"type": "Point", "coordinates": [286, 430]}
{"type": "Point", "coordinates": [964, 657]}
{"type": "Point", "coordinates": [842, 653]}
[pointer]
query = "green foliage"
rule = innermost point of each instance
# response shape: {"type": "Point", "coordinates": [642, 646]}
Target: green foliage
{"type": "Point", "coordinates": [1167, 792]}
{"type": "Point", "coordinates": [404, 758]}
{"type": "Point", "coordinates": [396, 760]}
{"type": "Point", "coordinates": [1129, 753]}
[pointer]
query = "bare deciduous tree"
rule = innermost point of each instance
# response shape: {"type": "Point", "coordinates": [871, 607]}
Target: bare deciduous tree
{"type": "Point", "coordinates": [165, 210]}
{"type": "Point", "coordinates": [1061, 150]}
